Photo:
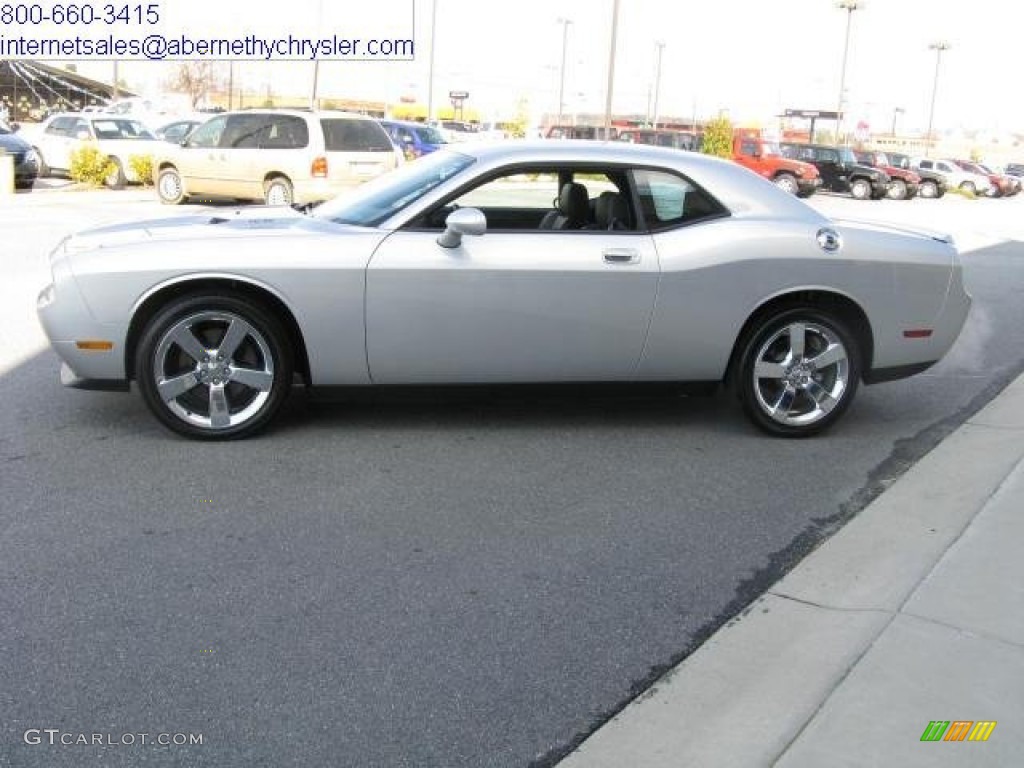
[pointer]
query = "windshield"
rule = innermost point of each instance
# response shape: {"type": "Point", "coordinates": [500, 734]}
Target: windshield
{"type": "Point", "coordinates": [898, 161]}
{"type": "Point", "coordinates": [430, 135]}
{"type": "Point", "coordinates": [771, 148]}
{"type": "Point", "coordinates": [376, 200]}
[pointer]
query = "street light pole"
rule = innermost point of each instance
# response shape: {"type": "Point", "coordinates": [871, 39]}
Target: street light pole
{"type": "Point", "coordinates": [849, 6]}
{"type": "Point", "coordinates": [611, 72]}
{"type": "Point", "coordinates": [895, 112]}
{"type": "Point", "coordinates": [316, 62]}
{"type": "Point", "coordinates": [430, 74]}
{"type": "Point", "coordinates": [561, 77]}
{"type": "Point", "coordinates": [938, 47]}
{"type": "Point", "coordinates": [657, 81]}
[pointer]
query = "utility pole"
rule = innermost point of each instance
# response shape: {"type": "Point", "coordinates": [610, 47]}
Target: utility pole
{"type": "Point", "coordinates": [849, 6]}
{"type": "Point", "coordinates": [657, 81]}
{"type": "Point", "coordinates": [430, 74]}
{"type": "Point", "coordinates": [938, 47]}
{"type": "Point", "coordinates": [561, 78]}
{"type": "Point", "coordinates": [611, 72]}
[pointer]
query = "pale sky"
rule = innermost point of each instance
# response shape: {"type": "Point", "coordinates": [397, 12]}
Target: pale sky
{"type": "Point", "coordinates": [751, 57]}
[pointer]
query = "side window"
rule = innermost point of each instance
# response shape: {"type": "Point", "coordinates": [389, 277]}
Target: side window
{"type": "Point", "coordinates": [61, 126]}
{"type": "Point", "coordinates": [748, 148]}
{"type": "Point", "coordinates": [927, 164]}
{"type": "Point", "coordinates": [828, 156]}
{"type": "Point", "coordinates": [546, 199]}
{"type": "Point", "coordinates": [244, 131]}
{"type": "Point", "coordinates": [207, 135]}
{"type": "Point", "coordinates": [350, 135]}
{"type": "Point", "coordinates": [284, 132]}
{"type": "Point", "coordinates": [668, 201]}
{"type": "Point", "coordinates": [534, 191]}
{"type": "Point", "coordinates": [79, 126]}
{"type": "Point", "coordinates": [945, 168]}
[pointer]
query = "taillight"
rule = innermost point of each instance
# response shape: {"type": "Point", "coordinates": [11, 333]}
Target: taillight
{"type": "Point", "coordinates": [319, 169]}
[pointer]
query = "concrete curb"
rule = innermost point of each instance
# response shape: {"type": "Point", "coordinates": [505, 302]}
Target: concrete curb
{"type": "Point", "coordinates": [753, 689]}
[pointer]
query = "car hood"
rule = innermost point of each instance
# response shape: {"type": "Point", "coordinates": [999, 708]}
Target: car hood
{"type": "Point", "coordinates": [204, 225]}
{"type": "Point", "coordinates": [14, 143]}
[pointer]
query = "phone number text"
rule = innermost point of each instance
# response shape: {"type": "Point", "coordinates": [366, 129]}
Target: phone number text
{"type": "Point", "coordinates": [85, 14]}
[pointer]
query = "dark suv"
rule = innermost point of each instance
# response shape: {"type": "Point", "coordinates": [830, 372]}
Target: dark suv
{"type": "Point", "coordinates": [840, 171]}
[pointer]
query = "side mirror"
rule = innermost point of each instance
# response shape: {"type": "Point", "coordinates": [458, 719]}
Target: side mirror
{"type": "Point", "coordinates": [464, 221]}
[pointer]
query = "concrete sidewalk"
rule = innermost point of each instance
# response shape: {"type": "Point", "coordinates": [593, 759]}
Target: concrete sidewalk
{"type": "Point", "coordinates": [912, 613]}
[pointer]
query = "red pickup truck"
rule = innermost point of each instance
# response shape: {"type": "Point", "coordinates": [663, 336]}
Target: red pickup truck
{"type": "Point", "coordinates": [798, 178]}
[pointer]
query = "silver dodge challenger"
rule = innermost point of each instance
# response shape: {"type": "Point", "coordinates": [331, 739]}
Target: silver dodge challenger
{"type": "Point", "coordinates": [518, 262]}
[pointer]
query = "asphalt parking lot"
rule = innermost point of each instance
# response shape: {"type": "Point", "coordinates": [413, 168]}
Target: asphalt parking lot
{"type": "Point", "coordinates": [413, 581]}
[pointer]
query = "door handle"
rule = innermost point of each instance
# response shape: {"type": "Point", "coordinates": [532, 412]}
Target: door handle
{"type": "Point", "coordinates": [621, 256]}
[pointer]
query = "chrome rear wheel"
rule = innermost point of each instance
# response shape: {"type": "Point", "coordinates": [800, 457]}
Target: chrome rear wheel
{"type": "Point", "coordinates": [799, 372]}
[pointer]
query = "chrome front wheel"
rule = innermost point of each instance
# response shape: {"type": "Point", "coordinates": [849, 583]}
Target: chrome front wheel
{"type": "Point", "coordinates": [214, 367]}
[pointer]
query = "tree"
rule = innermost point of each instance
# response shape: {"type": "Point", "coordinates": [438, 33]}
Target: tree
{"type": "Point", "coordinates": [193, 78]}
{"type": "Point", "coordinates": [718, 137]}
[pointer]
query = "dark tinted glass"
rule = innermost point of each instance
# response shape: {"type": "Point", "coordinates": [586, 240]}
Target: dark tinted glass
{"type": "Point", "coordinates": [344, 135]}
{"type": "Point", "coordinates": [285, 132]}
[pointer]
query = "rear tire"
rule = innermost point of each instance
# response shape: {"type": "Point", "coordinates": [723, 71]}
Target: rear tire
{"type": "Point", "coordinates": [929, 189]}
{"type": "Point", "coordinates": [969, 188]}
{"type": "Point", "coordinates": [860, 189]}
{"type": "Point", "coordinates": [799, 369]}
{"type": "Point", "coordinates": [278, 191]}
{"type": "Point", "coordinates": [214, 366]}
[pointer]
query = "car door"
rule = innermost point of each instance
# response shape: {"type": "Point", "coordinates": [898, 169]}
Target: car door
{"type": "Point", "coordinates": [832, 173]}
{"type": "Point", "coordinates": [517, 304]}
{"type": "Point", "coordinates": [198, 159]}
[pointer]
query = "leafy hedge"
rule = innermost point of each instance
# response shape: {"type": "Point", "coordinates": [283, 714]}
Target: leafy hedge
{"type": "Point", "coordinates": [90, 166]}
{"type": "Point", "coordinates": [142, 167]}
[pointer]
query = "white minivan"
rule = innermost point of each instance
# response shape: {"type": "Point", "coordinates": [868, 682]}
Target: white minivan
{"type": "Point", "coordinates": [279, 156]}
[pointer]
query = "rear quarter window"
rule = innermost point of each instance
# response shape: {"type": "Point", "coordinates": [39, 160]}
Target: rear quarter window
{"type": "Point", "coordinates": [344, 135]}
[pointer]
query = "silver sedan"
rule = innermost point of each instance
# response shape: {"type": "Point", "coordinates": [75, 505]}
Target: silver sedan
{"type": "Point", "coordinates": [509, 263]}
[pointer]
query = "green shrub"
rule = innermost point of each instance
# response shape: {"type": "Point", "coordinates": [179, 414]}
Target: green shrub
{"type": "Point", "coordinates": [718, 138]}
{"type": "Point", "coordinates": [90, 166]}
{"type": "Point", "coordinates": [142, 167]}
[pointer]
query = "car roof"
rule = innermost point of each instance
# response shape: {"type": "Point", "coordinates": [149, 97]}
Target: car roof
{"type": "Point", "coordinates": [297, 112]}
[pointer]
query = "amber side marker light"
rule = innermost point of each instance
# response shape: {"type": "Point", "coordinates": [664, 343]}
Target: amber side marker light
{"type": "Point", "coordinates": [95, 345]}
{"type": "Point", "coordinates": [918, 333]}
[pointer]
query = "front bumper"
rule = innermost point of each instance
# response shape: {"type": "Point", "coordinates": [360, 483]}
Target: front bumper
{"type": "Point", "coordinates": [68, 322]}
{"type": "Point", "coordinates": [807, 187]}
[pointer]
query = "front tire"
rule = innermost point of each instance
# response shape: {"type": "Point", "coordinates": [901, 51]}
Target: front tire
{"type": "Point", "coordinates": [214, 367]}
{"type": "Point", "coordinates": [44, 169]}
{"type": "Point", "coordinates": [969, 188]}
{"type": "Point", "coordinates": [116, 178]}
{"type": "Point", "coordinates": [798, 371]}
{"type": "Point", "coordinates": [897, 190]}
{"type": "Point", "coordinates": [929, 189]}
{"type": "Point", "coordinates": [169, 187]}
{"type": "Point", "coordinates": [787, 183]}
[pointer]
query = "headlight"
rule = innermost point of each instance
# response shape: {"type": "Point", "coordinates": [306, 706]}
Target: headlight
{"type": "Point", "coordinates": [46, 296]}
{"type": "Point", "coordinates": [799, 172]}
{"type": "Point", "coordinates": [31, 156]}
